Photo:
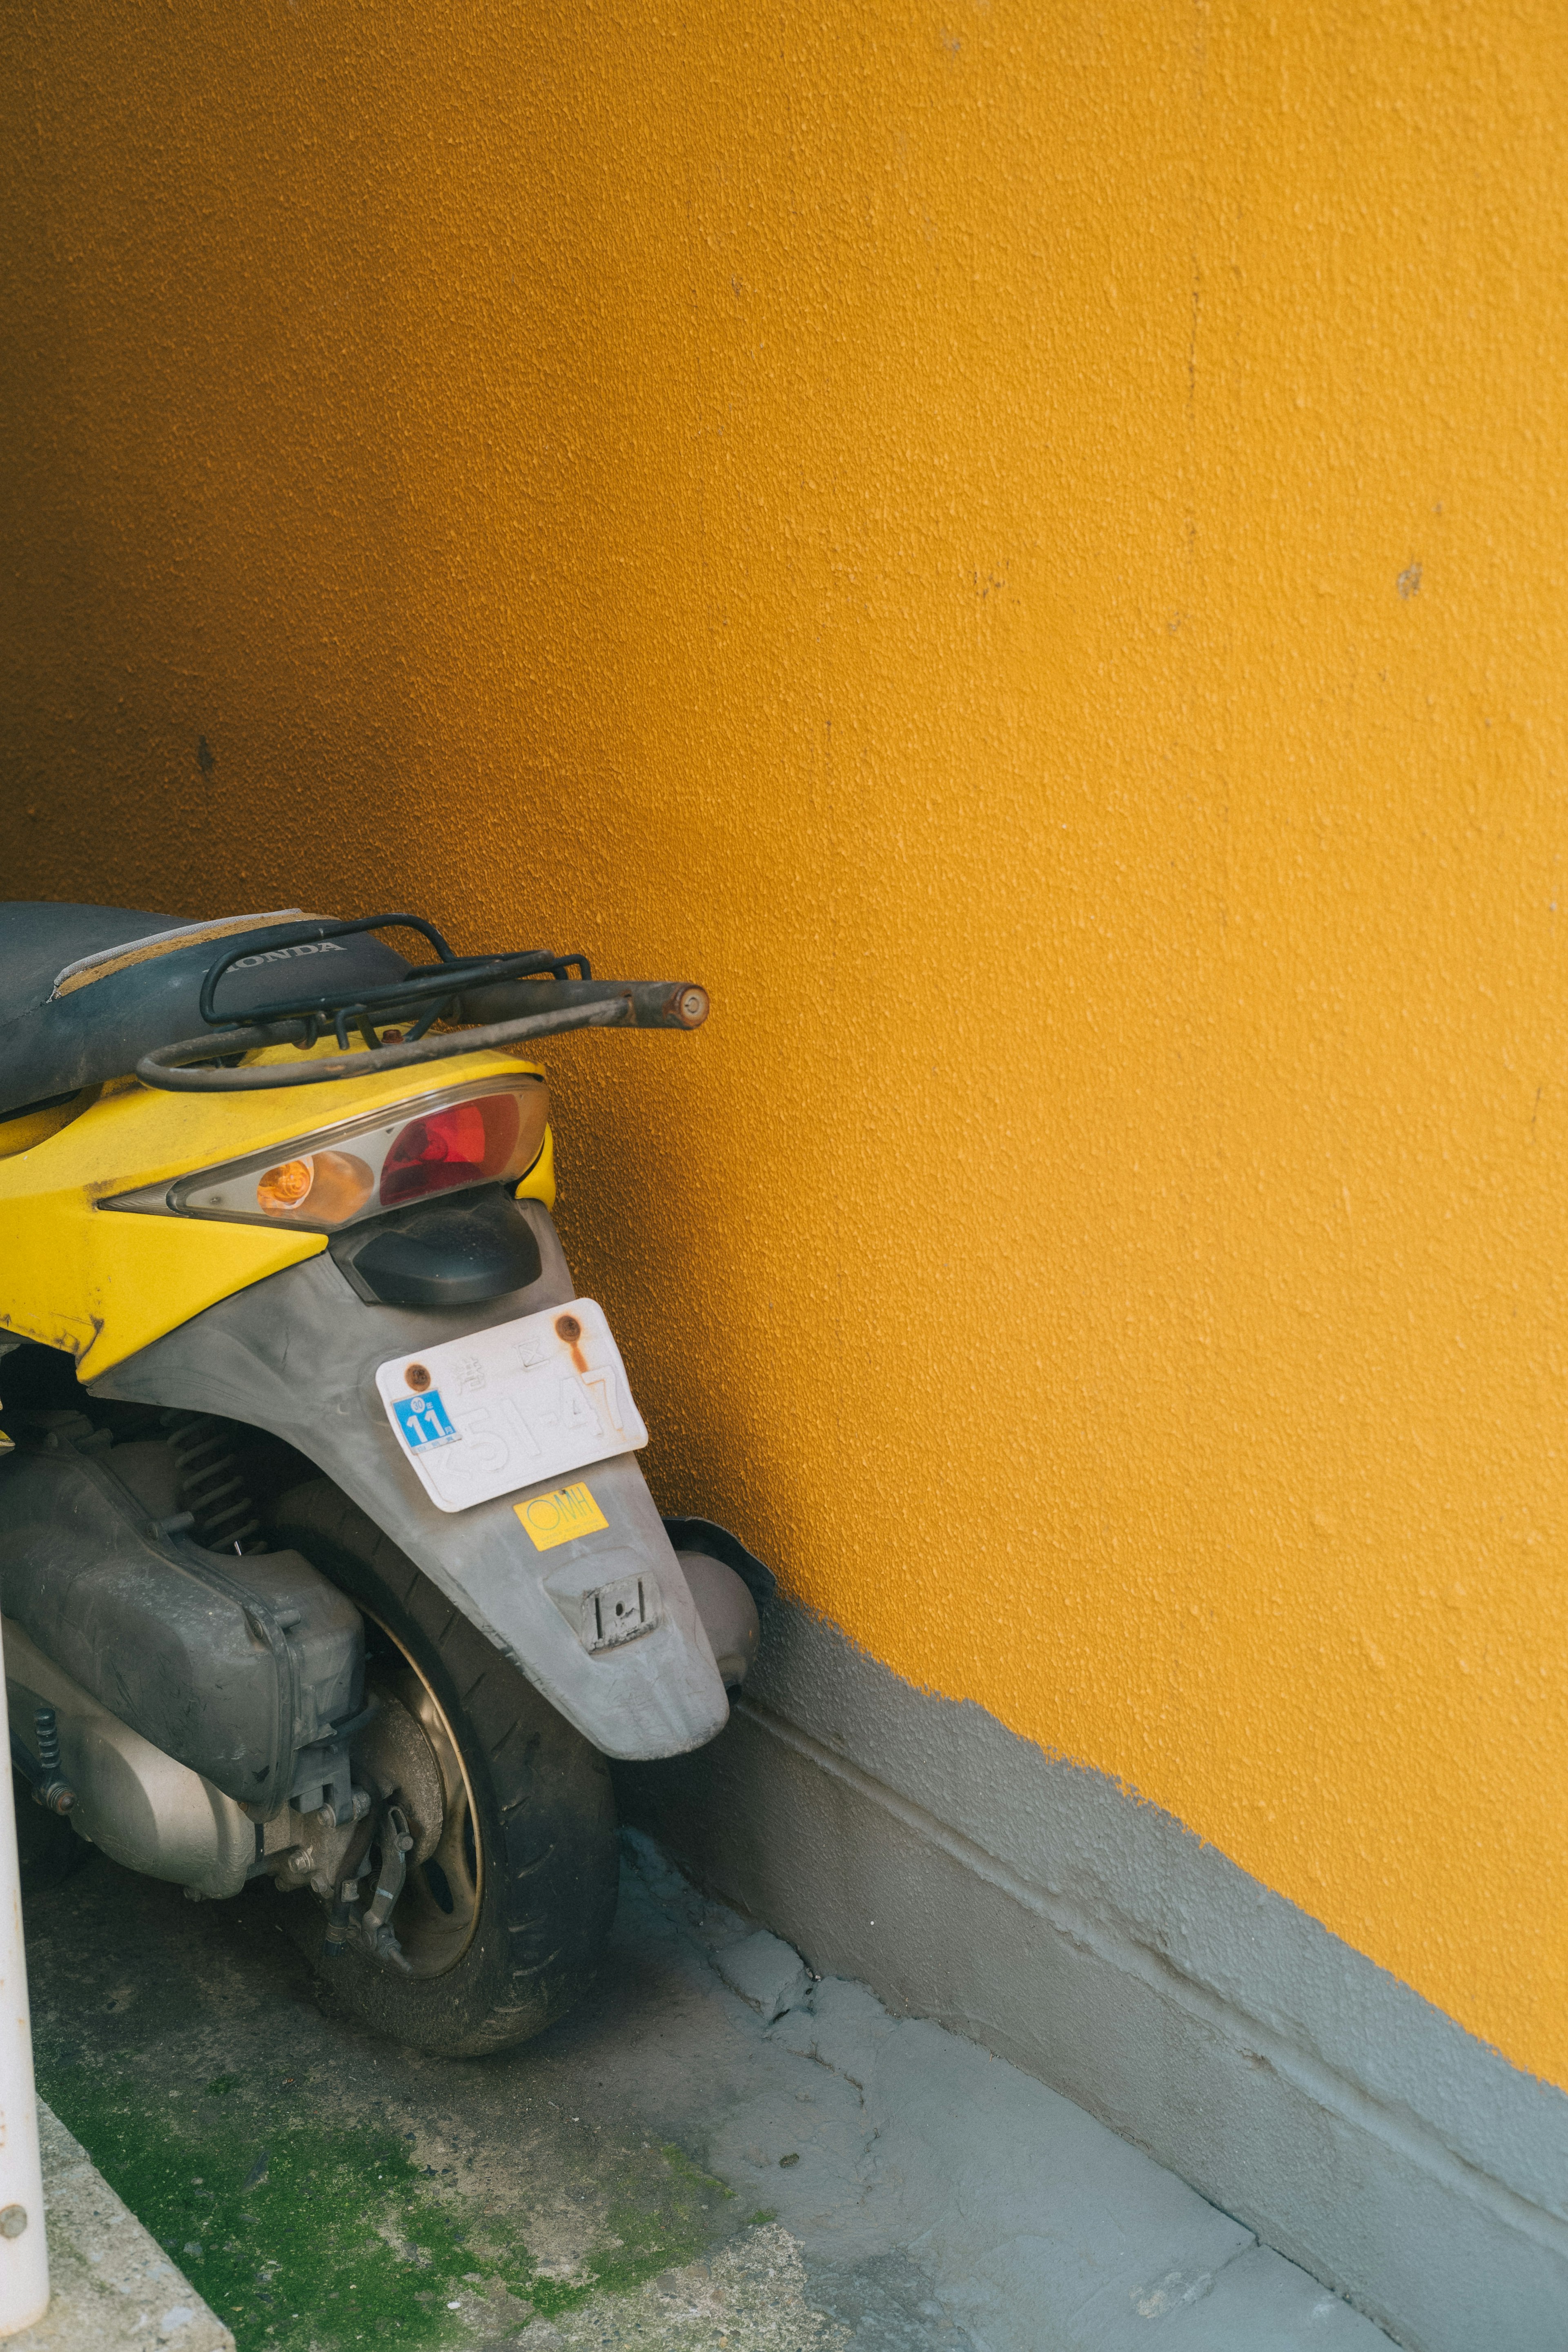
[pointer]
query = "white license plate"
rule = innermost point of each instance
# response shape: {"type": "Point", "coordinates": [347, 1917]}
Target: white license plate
{"type": "Point", "coordinates": [504, 1408]}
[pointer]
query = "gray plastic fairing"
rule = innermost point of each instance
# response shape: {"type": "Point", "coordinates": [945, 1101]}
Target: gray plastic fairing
{"type": "Point", "coordinates": [298, 1354]}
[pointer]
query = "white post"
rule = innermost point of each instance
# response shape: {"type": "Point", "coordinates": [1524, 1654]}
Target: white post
{"type": "Point", "coordinates": [24, 2250]}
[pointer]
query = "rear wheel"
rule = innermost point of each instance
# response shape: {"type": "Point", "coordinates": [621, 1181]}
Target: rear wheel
{"type": "Point", "coordinates": [509, 1883]}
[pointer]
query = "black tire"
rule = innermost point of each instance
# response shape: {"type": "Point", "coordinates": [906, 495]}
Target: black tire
{"type": "Point", "coordinates": [542, 1843]}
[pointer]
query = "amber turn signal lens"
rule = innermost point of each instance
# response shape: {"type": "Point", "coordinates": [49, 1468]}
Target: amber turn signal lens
{"type": "Point", "coordinates": [331, 1185]}
{"type": "Point", "coordinates": [283, 1188]}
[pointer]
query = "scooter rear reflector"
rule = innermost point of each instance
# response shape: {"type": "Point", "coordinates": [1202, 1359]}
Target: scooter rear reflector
{"type": "Point", "coordinates": [518, 1405]}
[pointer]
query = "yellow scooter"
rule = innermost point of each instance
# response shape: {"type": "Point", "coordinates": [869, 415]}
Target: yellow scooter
{"type": "Point", "coordinates": [325, 1556]}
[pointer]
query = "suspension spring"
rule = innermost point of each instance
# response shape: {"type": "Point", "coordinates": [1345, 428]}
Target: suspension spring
{"type": "Point", "coordinates": [212, 1486]}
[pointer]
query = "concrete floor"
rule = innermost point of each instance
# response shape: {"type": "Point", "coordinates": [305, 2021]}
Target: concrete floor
{"type": "Point", "coordinates": [671, 2166]}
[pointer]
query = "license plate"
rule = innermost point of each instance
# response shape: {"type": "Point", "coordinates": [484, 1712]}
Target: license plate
{"type": "Point", "coordinates": [505, 1408]}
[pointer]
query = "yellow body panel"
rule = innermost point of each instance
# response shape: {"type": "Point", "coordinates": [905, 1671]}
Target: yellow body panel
{"type": "Point", "coordinates": [103, 1283]}
{"type": "Point", "coordinates": [538, 1184]}
{"type": "Point", "coordinates": [36, 1126]}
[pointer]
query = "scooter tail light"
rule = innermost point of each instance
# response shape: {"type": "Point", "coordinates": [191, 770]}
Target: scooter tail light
{"type": "Point", "coordinates": [384, 1162]}
{"type": "Point", "coordinates": [465, 1143]}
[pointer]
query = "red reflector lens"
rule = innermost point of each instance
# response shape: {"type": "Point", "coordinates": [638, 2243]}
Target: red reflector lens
{"type": "Point", "coordinates": [466, 1143]}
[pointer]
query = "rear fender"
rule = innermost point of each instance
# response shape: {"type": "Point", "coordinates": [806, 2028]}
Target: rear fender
{"type": "Point", "coordinates": [297, 1354]}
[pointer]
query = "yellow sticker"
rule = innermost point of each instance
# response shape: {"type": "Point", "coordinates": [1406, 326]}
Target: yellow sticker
{"type": "Point", "coordinates": [552, 1520]}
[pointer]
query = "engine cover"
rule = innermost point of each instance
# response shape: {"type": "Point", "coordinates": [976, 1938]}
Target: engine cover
{"type": "Point", "coordinates": [231, 1665]}
{"type": "Point", "coordinates": [133, 1802]}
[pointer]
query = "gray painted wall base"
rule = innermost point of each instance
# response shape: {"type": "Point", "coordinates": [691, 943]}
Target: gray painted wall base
{"type": "Point", "coordinates": [914, 1842]}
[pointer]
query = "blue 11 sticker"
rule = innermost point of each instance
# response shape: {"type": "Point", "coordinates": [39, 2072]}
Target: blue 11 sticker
{"type": "Point", "coordinates": [423, 1420]}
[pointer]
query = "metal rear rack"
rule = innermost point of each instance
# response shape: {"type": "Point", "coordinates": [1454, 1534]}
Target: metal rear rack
{"type": "Point", "coordinates": [500, 1000]}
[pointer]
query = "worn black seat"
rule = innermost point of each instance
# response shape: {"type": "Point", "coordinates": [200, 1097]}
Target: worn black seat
{"type": "Point", "coordinates": [86, 991]}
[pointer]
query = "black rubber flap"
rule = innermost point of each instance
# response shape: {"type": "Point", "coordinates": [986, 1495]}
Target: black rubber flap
{"type": "Point", "coordinates": [450, 1253]}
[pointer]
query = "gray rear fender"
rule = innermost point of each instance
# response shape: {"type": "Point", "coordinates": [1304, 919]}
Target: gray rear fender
{"type": "Point", "coordinates": [298, 1354]}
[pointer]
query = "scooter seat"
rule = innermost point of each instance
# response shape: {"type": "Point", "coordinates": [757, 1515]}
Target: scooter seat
{"type": "Point", "coordinates": [86, 991]}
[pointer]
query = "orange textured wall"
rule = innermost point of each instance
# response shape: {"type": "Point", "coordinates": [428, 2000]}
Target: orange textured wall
{"type": "Point", "coordinates": [1024, 547]}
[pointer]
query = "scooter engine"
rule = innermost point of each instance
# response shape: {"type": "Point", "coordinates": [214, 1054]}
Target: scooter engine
{"type": "Point", "coordinates": [202, 1714]}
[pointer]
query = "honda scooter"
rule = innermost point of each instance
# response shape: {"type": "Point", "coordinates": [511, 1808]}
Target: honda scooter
{"type": "Point", "coordinates": [325, 1556]}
